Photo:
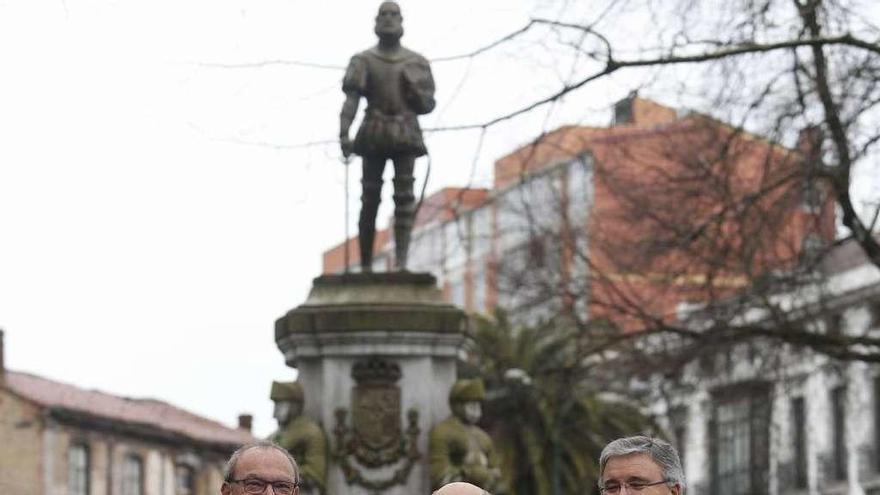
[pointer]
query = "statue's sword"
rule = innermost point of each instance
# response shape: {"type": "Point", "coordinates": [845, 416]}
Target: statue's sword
{"type": "Point", "coordinates": [345, 161]}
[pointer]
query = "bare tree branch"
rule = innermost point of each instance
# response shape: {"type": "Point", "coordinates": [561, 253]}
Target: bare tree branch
{"type": "Point", "coordinates": [488, 47]}
{"type": "Point", "coordinates": [843, 167]}
{"type": "Point", "coordinates": [615, 65]}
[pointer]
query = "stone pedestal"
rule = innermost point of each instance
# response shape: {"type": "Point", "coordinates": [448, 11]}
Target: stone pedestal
{"type": "Point", "coordinates": [376, 358]}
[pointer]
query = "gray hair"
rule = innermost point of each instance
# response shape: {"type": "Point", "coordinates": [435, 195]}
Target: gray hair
{"type": "Point", "coordinates": [229, 468]}
{"type": "Point", "coordinates": [660, 452]}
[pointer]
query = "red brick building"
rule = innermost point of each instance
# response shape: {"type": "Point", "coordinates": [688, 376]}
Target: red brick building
{"type": "Point", "coordinates": [656, 210]}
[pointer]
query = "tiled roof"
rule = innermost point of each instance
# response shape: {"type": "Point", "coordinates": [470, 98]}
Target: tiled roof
{"type": "Point", "coordinates": [334, 258]}
{"type": "Point", "coordinates": [846, 256]}
{"type": "Point", "coordinates": [444, 204]}
{"type": "Point", "coordinates": [149, 414]}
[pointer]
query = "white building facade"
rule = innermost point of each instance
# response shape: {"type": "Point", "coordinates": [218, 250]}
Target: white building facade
{"type": "Point", "coordinates": [769, 419]}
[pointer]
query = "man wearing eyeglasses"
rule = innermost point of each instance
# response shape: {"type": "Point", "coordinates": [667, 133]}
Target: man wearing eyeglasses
{"type": "Point", "coordinates": [640, 464]}
{"type": "Point", "coordinates": [256, 467]}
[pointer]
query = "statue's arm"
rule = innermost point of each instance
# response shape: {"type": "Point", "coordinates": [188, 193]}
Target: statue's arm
{"type": "Point", "coordinates": [419, 86]}
{"type": "Point", "coordinates": [439, 458]}
{"type": "Point", "coordinates": [346, 117]}
{"type": "Point", "coordinates": [354, 85]}
{"type": "Point", "coordinates": [496, 483]}
{"type": "Point", "coordinates": [315, 466]}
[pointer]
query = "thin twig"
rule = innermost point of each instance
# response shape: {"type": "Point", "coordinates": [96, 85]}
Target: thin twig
{"type": "Point", "coordinates": [615, 65]}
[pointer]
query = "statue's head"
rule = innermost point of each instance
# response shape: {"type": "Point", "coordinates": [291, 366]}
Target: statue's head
{"type": "Point", "coordinates": [466, 400]}
{"type": "Point", "coordinates": [389, 22]}
{"type": "Point", "coordinates": [289, 398]}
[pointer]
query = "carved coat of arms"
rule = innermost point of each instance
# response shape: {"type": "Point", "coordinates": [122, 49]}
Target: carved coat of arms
{"type": "Point", "coordinates": [376, 437]}
{"type": "Point", "coordinates": [376, 420]}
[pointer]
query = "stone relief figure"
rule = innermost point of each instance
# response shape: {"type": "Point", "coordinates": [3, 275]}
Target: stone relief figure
{"type": "Point", "coordinates": [460, 450]}
{"type": "Point", "coordinates": [398, 86]}
{"type": "Point", "coordinates": [300, 435]}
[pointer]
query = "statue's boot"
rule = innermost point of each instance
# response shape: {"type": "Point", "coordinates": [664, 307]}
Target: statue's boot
{"type": "Point", "coordinates": [367, 223]}
{"type": "Point", "coordinates": [365, 245]}
{"type": "Point", "coordinates": [404, 213]}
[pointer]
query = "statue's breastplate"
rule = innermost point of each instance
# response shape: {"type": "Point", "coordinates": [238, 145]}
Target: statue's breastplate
{"type": "Point", "coordinates": [385, 91]}
{"type": "Point", "coordinates": [475, 455]}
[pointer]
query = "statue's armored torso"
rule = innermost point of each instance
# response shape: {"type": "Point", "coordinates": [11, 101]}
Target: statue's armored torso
{"type": "Point", "coordinates": [462, 452]}
{"type": "Point", "coordinates": [306, 442]}
{"type": "Point", "coordinates": [398, 87]}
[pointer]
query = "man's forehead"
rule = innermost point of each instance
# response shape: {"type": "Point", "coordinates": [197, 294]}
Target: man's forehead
{"type": "Point", "coordinates": [260, 460]}
{"type": "Point", "coordinates": [636, 464]}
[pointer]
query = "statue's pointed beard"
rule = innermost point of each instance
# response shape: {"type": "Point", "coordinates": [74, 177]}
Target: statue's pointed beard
{"type": "Point", "coordinates": [389, 35]}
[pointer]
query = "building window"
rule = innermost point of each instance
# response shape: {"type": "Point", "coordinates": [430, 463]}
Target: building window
{"type": "Point", "coordinates": [678, 421]}
{"type": "Point", "coordinates": [623, 111]}
{"type": "Point", "coordinates": [78, 469]}
{"type": "Point", "coordinates": [875, 313]}
{"type": "Point", "coordinates": [480, 287]}
{"type": "Point", "coordinates": [838, 431]}
{"type": "Point", "coordinates": [455, 236]}
{"type": "Point", "coordinates": [482, 232]}
{"type": "Point", "coordinates": [185, 480]}
{"type": "Point", "coordinates": [739, 438]}
{"type": "Point", "coordinates": [799, 441]}
{"type": "Point", "coordinates": [680, 433]}
{"type": "Point", "coordinates": [812, 246]}
{"type": "Point", "coordinates": [537, 253]}
{"type": "Point", "coordinates": [456, 293]}
{"type": "Point", "coordinates": [132, 475]}
{"type": "Point", "coordinates": [877, 422]}
{"type": "Point", "coordinates": [812, 196]}
{"type": "Point", "coordinates": [834, 324]}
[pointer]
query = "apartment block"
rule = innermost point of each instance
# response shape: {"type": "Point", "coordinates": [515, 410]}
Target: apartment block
{"type": "Point", "coordinates": [574, 219]}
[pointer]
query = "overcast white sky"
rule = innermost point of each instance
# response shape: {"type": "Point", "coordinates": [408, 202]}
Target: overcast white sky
{"type": "Point", "coordinates": [154, 220]}
{"type": "Point", "coordinates": [157, 213]}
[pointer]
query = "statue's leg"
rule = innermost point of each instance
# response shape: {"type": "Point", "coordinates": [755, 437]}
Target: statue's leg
{"type": "Point", "coordinates": [371, 182]}
{"type": "Point", "coordinates": [404, 207]}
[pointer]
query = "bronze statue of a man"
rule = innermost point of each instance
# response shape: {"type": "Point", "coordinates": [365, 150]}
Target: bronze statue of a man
{"type": "Point", "coordinates": [459, 449]}
{"type": "Point", "coordinates": [300, 435]}
{"type": "Point", "coordinates": [398, 86]}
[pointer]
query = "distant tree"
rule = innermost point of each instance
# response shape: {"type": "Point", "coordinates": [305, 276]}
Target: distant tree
{"type": "Point", "coordinates": [779, 65]}
{"type": "Point", "coordinates": [790, 87]}
{"type": "Point", "coordinates": [542, 408]}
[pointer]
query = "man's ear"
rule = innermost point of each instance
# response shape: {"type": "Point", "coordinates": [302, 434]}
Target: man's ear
{"type": "Point", "coordinates": [676, 490]}
{"type": "Point", "coordinates": [225, 488]}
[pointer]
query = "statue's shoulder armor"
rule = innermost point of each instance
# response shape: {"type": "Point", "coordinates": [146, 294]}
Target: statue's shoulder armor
{"type": "Point", "coordinates": [409, 56]}
{"type": "Point", "coordinates": [307, 426]}
{"type": "Point", "coordinates": [450, 426]}
{"type": "Point", "coordinates": [403, 57]}
{"type": "Point", "coordinates": [356, 74]}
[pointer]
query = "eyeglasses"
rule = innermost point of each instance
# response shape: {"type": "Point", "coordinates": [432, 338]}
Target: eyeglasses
{"type": "Point", "coordinates": [632, 486]}
{"type": "Point", "coordinates": [256, 486]}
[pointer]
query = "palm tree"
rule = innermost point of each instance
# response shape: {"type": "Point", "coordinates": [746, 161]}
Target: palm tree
{"type": "Point", "coordinates": [548, 423]}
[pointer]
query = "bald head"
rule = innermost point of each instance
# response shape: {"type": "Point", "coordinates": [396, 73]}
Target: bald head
{"type": "Point", "coordinates": [460, 488]}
